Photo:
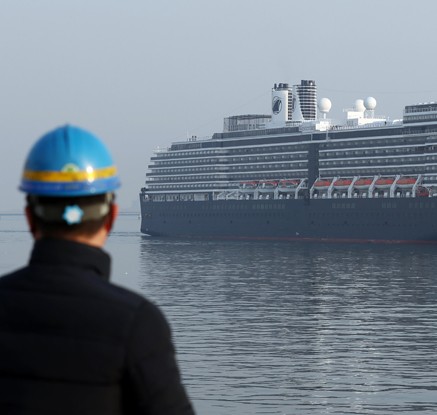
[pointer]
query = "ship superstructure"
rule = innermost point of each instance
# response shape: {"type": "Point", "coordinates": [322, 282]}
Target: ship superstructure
{"type": "Point", "coordinates": [297, 162]}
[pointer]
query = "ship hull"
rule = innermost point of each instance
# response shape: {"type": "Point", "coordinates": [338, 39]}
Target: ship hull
{"type": "Point", "coordinates": [361, 220]}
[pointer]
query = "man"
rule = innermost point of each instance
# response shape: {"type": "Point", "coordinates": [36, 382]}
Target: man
{"type": "Point", "coordinates": [70, 342]}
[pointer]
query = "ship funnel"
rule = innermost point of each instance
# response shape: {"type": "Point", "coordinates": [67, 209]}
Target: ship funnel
{"type": "Point", "coordinates": [281, 103]}
{"type": "Point", "coordinates": [305, 99]}
{"type": "Point", "coordinates": [297, 112]}
{"type": "Point", "coordinates": [297, 103]}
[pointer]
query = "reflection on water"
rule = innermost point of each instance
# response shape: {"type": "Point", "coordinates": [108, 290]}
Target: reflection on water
{"type": "Point", "coordinates": [285, 328]}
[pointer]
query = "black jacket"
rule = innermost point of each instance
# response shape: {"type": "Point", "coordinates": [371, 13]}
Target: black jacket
{"type": "Point", "coordinates": [72, 343]}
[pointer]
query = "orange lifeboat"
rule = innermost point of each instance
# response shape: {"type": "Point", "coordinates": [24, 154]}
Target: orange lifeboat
{"type": "Point", "coordinates": [406, 182]}
{"type": "Point", "coordinates": [322, 184]}
{"type": "Point", "coordinates": [384, 182]}
{"type": "Point", "coordinates": [288, 184]}
{"type": "Point", "coordinates": [248, 186]}
{"type": "Point", "coordinates": [363, 183]}
{"type": "Point", "coordinates": [267, 185]}
{"type": "Point", "coordinates": [342, 183]}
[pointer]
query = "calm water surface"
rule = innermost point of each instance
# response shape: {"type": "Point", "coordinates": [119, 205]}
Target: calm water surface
{"type": "Point", "coordinates": [284, 328]}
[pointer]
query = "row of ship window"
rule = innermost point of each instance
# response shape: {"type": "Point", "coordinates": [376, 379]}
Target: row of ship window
{"type": "Point", "coordinates": [345, 144]}
{"type": "Point", "coordinates": [253, 167]}
{"type": "Point", "coordinates": [413, 118]}
{"type": "Point", "coordinates": [226, 205]}
{"type": "Point", "coordinates": [377, 151]}
{"type": "Point", "coordinates": [262, 156]}
{"type": "Point", "coordinates": [293, 166]}
{"type": "Point", "coordinates": [233, 151]}
{"type": "Point", "coordinates": [184, 186]}
{"type": "Point", "coordinates": [410, 109]}
{"type": "Point", "coordinates": [412, 170]}
{"type": "Point", "coordinates": [331, 162]}
{"type": "Point", "coordinates": [382, 142]}
{"type": "Point", "coordinates": [297, 165]}
{"type": "Point", "coordinates": [385, 161]}
{"type": "Point", "coordinates": [420, 130]}
{"type": "Point", "coordinates": [325, 169]}
{"type": "Point", "coordinates": [246, 159]}
{"type": "Point", "coordinates": [296, 156]}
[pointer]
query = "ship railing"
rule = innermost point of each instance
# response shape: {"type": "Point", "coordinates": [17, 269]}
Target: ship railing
{"type": "Point", "coordinates": [376, 124]}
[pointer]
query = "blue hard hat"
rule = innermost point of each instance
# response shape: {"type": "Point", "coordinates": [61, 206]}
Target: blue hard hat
{"type": "Point", "coordinates": [69, 161]}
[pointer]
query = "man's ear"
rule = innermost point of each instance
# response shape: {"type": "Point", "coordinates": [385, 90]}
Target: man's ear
{"type": "Point", "coordinates": [112, 216]}
{"type": "Point", "coordinates": [31, 222]}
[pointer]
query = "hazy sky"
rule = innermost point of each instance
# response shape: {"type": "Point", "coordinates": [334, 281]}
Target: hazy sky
{"type": "Point", "coordinates": [141, 74]}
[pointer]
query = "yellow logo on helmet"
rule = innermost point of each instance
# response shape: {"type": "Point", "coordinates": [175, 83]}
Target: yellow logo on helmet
{"type": "Point", "coordinates": [70, 168]}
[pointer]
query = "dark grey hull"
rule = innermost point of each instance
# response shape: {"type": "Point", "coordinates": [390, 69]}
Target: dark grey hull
{"type": "Point", "coordinates": [383, 220]}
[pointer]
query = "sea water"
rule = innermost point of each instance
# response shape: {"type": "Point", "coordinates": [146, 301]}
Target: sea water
{"type": "Point", "coordinates": [284, 328]}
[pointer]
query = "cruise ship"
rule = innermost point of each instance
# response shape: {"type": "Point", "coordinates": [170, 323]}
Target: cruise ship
{"type": "Point", "coordinates": [295, 174]}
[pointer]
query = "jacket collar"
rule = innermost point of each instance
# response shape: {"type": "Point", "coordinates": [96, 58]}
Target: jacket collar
{"type": "Point", "coordinates": [61, 252]}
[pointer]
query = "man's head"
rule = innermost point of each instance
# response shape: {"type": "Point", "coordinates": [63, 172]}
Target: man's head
{"type": "Point", "coordinates": [70, 178]}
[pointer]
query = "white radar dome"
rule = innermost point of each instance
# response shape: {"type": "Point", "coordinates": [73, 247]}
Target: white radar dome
{"type": "Point", "coordinates": [359, 105]}
{"type": "Point", "coordinates": [370, 103]}
{"type": "Point", "coordinates": [325, 105]}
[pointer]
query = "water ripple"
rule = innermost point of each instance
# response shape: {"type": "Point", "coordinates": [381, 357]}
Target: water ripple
{"type": "Point", "coordinates": [282, 328]}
